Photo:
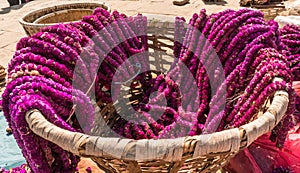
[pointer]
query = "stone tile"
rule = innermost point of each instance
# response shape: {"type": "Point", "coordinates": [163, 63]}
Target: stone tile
{"type": "Point", "coordinates": [7, 38]}
{"type": "Point", "coordinates": [11, 47]}
{"type": "Point", "coordinates": [13, 26]}
{"type": "Point", "coordinates": [127, 7]}
{"type": "Point", "coordinates": [5, 56]}
{"type": "Point", "coordinates": [4, 4]}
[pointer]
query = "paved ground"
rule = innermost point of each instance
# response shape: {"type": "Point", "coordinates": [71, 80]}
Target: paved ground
{"type": "Point", "coordinates": [11, 31]}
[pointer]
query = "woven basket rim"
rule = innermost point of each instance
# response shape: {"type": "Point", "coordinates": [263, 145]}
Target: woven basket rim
{"type": "Point", "coordinates": [236, 138]}
{"type": "Point", "coordinates": [37, 21]}
{"type": "Point", "coordinates": [23, 21]}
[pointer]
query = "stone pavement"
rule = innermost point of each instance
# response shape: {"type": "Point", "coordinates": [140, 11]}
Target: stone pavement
{"type": "Point", "coordinates": [11, 31]}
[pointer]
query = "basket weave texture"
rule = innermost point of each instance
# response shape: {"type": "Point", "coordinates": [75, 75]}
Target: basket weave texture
{"type": "Point", "coordinates": [271, 13]}
{"type": "Point", "coordinates": [33, 21]}
{"type": "Point", "coordinates": [2, 76]}
{"type": "Point", "coordinates": [203, 153]}
{"type": "Point", "coordinates": [270, 10]}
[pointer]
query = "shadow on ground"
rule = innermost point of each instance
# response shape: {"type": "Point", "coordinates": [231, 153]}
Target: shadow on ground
{"type": "Point", "coordinates": [8, 9]}
{"type": "Point", "coordinates": [218, 2]}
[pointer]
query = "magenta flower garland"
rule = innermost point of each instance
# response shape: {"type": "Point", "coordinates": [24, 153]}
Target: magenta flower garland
{"type": "Point", "coordinates": [290, 39]}
{"type": "Point", "coordinates": [20, 169]}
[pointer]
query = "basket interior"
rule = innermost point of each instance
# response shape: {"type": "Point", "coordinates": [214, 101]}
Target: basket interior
{"type": "Point", "coordinates": [63, 16]}
{"type": "Point", "coordinates": [160, 57]}
{"type": "Point", "coordinates": [58, 13]}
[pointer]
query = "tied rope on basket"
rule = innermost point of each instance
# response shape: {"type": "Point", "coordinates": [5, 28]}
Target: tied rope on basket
{"type": "Point", "coordinates": [2, 82]}
{"type": "Point", "coordinates": [2, 76]}
{"type": "Point", "coordinates": [43, 77]}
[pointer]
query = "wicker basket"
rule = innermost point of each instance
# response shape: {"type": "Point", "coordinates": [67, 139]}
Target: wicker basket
{"type": "Point", "coordinates": [270, 10]}
{"type": "Point", "coordinates": [2, 77]}
{"type": "Point", "coordinates": [271, 13]}
{"type": "Point", "coordinates": [33, 21]}
{"type": "Point", "coordinates": [203, 153]}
